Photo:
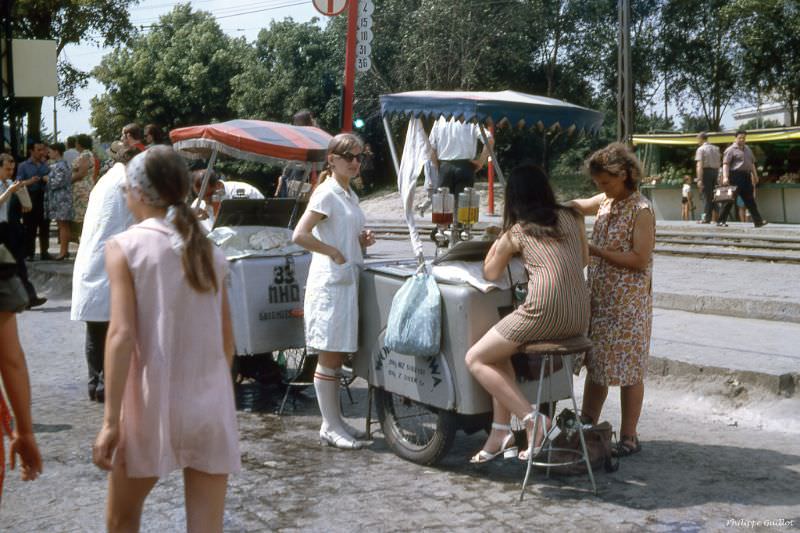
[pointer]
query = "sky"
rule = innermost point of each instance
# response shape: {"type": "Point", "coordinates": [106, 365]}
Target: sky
{"type": "Point", "coordinates": [236, 17]}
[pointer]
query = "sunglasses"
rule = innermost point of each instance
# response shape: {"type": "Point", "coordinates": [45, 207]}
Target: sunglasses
{"type": "Point", "coordinates": [347, 156]}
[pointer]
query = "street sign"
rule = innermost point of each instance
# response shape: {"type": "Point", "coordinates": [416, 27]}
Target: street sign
{"type": "Point", "coordinates": [366, 8]}
{"type": "Point", "coordinates": [363, 64]}
{"type": "Point", "coordinates": [364, 35]}
{"type": "Point", "coordinates": [363, 49]}
{"type": "Point", "coordinates": [330, 8]}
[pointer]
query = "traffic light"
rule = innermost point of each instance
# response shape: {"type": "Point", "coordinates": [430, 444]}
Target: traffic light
{"type": "Point", "coordinates": [358, 123]}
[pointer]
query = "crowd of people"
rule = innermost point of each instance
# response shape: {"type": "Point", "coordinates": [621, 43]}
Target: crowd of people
{"type": "Point", "coordinates": [143, 250]}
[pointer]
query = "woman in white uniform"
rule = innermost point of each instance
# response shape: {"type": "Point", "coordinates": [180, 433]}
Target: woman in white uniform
{"type": "Point", "coordinates": [332, 228]}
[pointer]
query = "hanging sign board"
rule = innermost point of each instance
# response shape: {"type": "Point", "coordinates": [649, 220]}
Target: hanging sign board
{"type": "Point", "coordinates": [330, 8]}
{"type": "Point", "coordinates": [35, 73]}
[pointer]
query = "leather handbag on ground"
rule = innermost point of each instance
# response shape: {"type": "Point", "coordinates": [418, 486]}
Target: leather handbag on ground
{"type": "Point", "coordinates": [725, 193]}
{"type": "Point", "coordinates": [598, 444]}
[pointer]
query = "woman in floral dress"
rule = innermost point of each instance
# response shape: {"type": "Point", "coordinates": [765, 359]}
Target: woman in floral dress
{"type": "Point", "coordinates": [82, 174]}
{"type": "Point", "coordinates": [620, 278]}
{"type": "Point", "coordinates": [59, 197]}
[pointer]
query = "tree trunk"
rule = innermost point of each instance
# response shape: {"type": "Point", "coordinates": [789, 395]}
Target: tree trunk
{"type": "Point", "coordinates": [34, 108]}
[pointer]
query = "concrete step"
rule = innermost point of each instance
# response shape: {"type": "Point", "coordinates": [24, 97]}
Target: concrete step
{"type": "Point", "coordinates": [728, 252]}
{"type": "Point", "coordinates": [746, 352]}
{"type": "Point", "coordinates": [758, 308]}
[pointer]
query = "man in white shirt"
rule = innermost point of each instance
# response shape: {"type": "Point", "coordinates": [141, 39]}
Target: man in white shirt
{"type": "Point", "coordinates": [106, 215]}
{"type": "Point", "coordinates": [454, 146]}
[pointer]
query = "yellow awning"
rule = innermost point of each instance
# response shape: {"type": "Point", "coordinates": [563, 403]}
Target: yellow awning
{"type": "Point", "coordinates": [687, 139]}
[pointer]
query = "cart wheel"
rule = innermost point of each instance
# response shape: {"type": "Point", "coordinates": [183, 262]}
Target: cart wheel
{"type": "Point", "coordinates": [414, 431]}
{"type": "Point", "coordinates": [297, 366]}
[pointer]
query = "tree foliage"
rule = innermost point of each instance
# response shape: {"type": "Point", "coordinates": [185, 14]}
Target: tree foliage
{"type": "Point", "coordinates": [769, 32]}
{"type": "Point", "coordinates": [105, 22]}
{"type": "Point", "coordinates": [291, 66]}
{"type": "Point", "coordinates": [180, 73]}
{"type": "Point", "coordinates": [700, 55]}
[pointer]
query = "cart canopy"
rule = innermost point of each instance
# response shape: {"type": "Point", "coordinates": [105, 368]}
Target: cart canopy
{"type": "Point", "coordinates": [478, 106]}
{"type": "Point", "coordinates": [254, 140]}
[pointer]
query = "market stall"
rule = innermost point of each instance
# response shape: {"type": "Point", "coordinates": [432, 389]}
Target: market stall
{"type": "Point", "coordinates": [422, 400]}
{"type": "Point", "coordinates": [267, 272]}
{"type": "Point", "coordinates": [667, 157]}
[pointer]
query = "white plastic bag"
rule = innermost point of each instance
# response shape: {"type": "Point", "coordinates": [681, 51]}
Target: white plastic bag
{"type": "Point", "coordinates": [415, 320]}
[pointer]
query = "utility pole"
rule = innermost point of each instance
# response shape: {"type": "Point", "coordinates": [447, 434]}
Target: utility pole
{"type": "Point", "coordinates": [55, 121]}
{"type": "Point", "coordinates": [624, 76]}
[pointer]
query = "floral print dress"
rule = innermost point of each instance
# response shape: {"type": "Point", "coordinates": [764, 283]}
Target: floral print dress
{"type": "Point", "coordinates": [82, 187]}
{"type": "Point", "coordinates": [621, 299]}
{"type": "Point", "coordinates": [59, 192]}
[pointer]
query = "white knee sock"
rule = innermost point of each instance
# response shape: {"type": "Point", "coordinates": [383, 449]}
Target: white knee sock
{"type": "Point", "coordinates": [326, 384]}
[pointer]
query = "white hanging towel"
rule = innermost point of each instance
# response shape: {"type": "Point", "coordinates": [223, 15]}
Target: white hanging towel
{"type": "Point", "coordinates": [416, 151]}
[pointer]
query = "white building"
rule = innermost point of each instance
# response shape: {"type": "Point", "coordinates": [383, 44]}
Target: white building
{"type": "Point", "coordinates": [768, 111]}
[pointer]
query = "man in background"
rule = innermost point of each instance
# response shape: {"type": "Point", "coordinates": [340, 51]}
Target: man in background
{"type": "Point", "coordinates": [707, 171]}
{"type": "Point", "coordinates": [71, 154]}
{"type": "Point", "coordinates": [30, 174]}
{"type": "Point", "coordinates": [739, 168]}
{"type": "Point", "coordinates": [107, 214]}
{"type": "Point", "coordinates": [132, 137]}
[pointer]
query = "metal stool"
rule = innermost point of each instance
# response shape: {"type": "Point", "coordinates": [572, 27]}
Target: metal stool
{"type": "Point", "coordinates": [548, 350]}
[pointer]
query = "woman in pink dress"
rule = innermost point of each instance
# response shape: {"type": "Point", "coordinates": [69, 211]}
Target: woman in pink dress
{"type": "Point", "coordinates": [169, 396]}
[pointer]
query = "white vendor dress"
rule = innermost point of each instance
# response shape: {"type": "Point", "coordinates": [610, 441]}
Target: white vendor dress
{"type": "Point", "coordinates": [331, 300]}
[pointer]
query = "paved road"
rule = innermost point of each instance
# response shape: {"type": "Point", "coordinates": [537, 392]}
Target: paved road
{"type": "Point", "coordinates": [700, 469]}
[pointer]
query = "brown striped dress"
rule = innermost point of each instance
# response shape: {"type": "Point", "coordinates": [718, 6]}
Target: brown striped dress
{"type": "Point", "coordinates": [557, 304]}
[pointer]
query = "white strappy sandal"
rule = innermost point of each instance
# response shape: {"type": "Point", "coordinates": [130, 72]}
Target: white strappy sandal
{"type": "Point", "coordinates": [507, 452]}
{"type": "Point", "coordinates": [529, 421]}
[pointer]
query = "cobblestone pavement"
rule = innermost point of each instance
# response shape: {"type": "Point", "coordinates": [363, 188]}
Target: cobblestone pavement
{"type": "Point", "coordinates": [696, 472]}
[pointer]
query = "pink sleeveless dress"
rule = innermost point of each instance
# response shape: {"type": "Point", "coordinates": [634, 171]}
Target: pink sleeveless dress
{"type": "Point", "coordinates": [178, 407]}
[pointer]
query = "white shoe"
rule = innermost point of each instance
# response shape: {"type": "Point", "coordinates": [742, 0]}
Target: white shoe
{"type": "Point", "coordinates": [334, 439]}
{"type": "Point", "coordinates": [353, 432]}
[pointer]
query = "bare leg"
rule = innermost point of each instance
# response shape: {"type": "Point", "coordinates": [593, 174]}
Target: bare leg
{"type": "Point", "coordinates": [63, 237]}
{"type": "Point", "coordinates": [126, 497]}
{"type": "Point", "coordinates": [489, 362]}
{"type": "Point", "coordinates": [631, 398]}
{"type": "Point", "coordinates": [500, 416]}
{"type": "Point", "coordinates": [332, 360]}
{"type": "Point", "coordinates": [594, 396]}
{"type": "Point", "coordinates": [205, 500]}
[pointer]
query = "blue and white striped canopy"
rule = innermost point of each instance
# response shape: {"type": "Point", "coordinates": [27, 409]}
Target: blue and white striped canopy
{"type": "Point", "coordinates": [514, 106]}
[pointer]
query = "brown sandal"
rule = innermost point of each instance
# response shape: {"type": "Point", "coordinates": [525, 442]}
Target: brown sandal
{"type": "Point", "coordinates": [627, 445]}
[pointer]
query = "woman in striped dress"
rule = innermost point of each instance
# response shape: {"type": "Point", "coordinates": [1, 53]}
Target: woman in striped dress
{"type": "Point", "coordinates": [552, 242]}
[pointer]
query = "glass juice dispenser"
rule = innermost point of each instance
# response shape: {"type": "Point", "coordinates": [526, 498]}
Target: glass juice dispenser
{"type": "Point", "coordinates": [442, 207]}
{"type": "Point", "coordinates": [468, 202]}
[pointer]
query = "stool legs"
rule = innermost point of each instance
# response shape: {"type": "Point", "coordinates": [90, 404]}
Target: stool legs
{"type": "Point", "coordinates": [535, 426]}
{"type": "Point", "coordinates": [586, 459]}
{"type": "Point", "coordinates": [548, 360]}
